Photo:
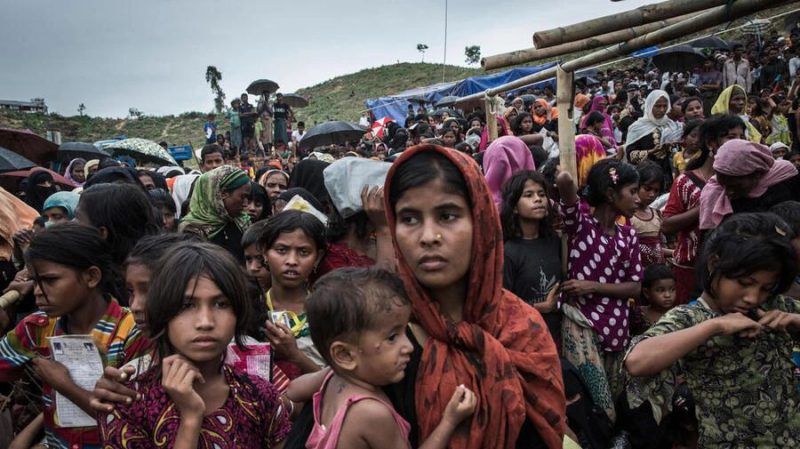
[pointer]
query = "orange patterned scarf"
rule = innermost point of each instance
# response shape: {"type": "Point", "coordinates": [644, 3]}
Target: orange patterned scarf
{"type": "Point", "coordinates": [501, 350]}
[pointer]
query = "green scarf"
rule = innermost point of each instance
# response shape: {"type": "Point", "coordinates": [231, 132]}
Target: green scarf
{"type": "Point", "coordinates": [206, 209]}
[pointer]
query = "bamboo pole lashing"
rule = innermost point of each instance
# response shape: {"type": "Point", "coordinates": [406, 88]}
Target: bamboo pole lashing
{"type": "Point", "coordinates": [635, 17]}
{"type": "Point", "coordinates": [536, 54]}
{"type": "Point", "coordinates": [707, 19]}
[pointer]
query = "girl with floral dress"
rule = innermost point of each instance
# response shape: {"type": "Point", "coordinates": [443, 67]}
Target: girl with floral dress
{"type": "Point", "coordinates": [604, 272]}
{"type": "Point", "coordinates": [733, 345]}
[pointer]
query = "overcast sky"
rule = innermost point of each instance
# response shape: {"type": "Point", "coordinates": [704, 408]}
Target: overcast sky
{"type": "Point", "coordinates": [152, 54]}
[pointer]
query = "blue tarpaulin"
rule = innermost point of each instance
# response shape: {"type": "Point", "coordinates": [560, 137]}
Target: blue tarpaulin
{"type": "Point", "coordinates": [396, 106]}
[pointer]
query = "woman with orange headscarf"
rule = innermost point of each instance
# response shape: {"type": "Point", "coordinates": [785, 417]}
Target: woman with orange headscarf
{"type": "Point", "coordinates": [467, 329]}
{"type": "Point", "coordinates": [544, 116]}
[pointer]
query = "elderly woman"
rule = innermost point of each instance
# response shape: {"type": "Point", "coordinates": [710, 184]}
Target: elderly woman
{"type": "Point", "coordinates": [218, 208]}
{"type": "Point", "coordinates": [652, 136]}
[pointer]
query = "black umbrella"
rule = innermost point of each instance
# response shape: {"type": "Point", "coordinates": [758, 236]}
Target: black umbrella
{"type": "Point", "coordinates": [586, 80]}
{"type": "Point", "coordinates": [262, 87]}
{"type": "Point", "coordinates": [450, 112]}
{"type": "Point", "coordinates": [710, 42]}
{"type": "Point", "coordinates": [71, 150]}
{"type": "Point", "coordinates": [295, 101]}
{"type": "Point", "coordinates": [419, 98]}
{"type": "Point", "coordinates": [681, 58]}
{"type": "Point", "coordinates": [332, 133]}
{"type": "Point", "coordinates": [11, 161]}
{"type": "Point", "coordinates": [447, 101]}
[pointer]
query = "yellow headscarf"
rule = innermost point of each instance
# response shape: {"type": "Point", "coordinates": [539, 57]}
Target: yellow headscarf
{"type": "Point", "coordinates": [722, 106]}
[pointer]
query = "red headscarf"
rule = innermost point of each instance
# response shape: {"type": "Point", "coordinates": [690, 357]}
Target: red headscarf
{"type": "Point", "coordinates": [501, 350]}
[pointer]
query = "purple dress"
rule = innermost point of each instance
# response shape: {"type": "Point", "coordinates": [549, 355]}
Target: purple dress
{"type": "Point", "coordinates": [596, 256]}
{"type": "Point", "coordinates": [249, 418]}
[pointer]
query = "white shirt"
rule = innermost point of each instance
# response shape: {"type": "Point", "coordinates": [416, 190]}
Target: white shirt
{"type": "Point", "coordinates": [296, 136]}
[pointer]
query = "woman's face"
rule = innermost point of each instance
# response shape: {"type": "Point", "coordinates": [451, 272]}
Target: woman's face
{"type": "Point", "coordinates": [170, 224]}
{"type": "Point", "coordinates": [739, 186]}
{"type": "Point", "coordinates": [737, 103]}
{"type": "Point", "coordinates": [745, 293]}
{"type": "Point", "coordinates": [513, 113]}
{"type": "Point", "coordinates": [526, 125]}
{"type": "Point", "coordinates": [475, 123]}
{"type": "Point", "coordinates": [93, 169]}
{"type": "Point", "coordinates": [56, 215]}
{"type": "Point", "coordinates": [693, 111]}
{"type": "Point", "coordinates": [660, 108]}
{"type": "Point", "coordinates": [236, 201]}
{"type": "Point", "coordinates": [539, 109]}
{"type": "Point", "coordinates": [255, 209]}
{"type": "Point", "coordinates": [77, 172]}
{"type": "Point", "coordinates": [147, 182]}
{"type": "Point", "coordinates": [292, 258]}
{"type": "Point", "coordinates": [626, 200]}
{"type": "Point", "coordinates": [434, 234]}
{"type": "Point", "coordinates": [449, 139]}
{"type": "Point", "coordinates": [692, 140]}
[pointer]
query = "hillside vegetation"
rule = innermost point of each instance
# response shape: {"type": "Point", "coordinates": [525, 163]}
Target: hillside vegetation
{"type": "Point", "coordinates": [340, 98]}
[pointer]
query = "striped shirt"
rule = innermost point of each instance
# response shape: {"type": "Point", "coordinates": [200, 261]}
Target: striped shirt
{"type": "Point", "coordinates": [115, 335]}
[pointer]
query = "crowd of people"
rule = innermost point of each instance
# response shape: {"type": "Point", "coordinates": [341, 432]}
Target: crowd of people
{"type": "Point", "coordinates": [429, 285]}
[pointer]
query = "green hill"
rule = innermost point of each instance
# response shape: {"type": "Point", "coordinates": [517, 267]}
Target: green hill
{"type": "Point", "coordinates": [338, 98]}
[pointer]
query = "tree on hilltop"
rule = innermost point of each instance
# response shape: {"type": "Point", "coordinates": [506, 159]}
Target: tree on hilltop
{"type": "Point", "coordinates": [473, 54]}
{"type": "Point", "coordinates": [213, 77]}
{"type": "Point", "coordinates": [81, 109]}
{"type": "Point", "coordinates": [421, 48]}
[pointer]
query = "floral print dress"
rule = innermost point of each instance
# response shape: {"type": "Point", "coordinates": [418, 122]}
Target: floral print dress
{"type": "Point", "coordinates": [744, 388]}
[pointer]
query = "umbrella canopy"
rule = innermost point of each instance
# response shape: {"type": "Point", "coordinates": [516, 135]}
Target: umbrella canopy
{"type": "Point", "coordinates": [681, 58]}
{"type": "Point", "coordinates": [419, 98]}
{"type": "Point", "coordinates": [10, 180]}
{"type": "Point", "coordinates": [450, 112]}
{"type": "Point", "coordinates": [262, 87]}
{"type": "Point", "coordinates": [11, 161]}
{"type": "Point", "coordinates": [447, 101]}
{"type": "Point", "coordinates": [28, 144]}
{"type": "Point", "coordinates": [142, 150]}
{"type": "Point", "coordinates": [332, 133]}
{"type": "Point", "coordinates": [71, 150]}
{"type": "Point", "coordinates": [379, 126]}
{"type": "Point", "coordinates": [710, 42]}
{"type": "Point", "coordinates": [295, 100]}
{"type": "Point", "coordinates": [586, 80]}
{"type": "Point", "coordinates": [757, 26]}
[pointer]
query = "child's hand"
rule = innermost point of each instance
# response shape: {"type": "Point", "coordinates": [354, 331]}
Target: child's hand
{"type": "Point", "coordinates": [109, 389]}
{"type": "Point", "coordinates": [282, 340]}
{"type": "Point", "coordinates": [778, 320]}
{"type": "Point", "coordinates": [551, 302]}
{"type": "Point", "coordinates": [52, 372]}
{"type": "Point", "coordinates": [461, 406]}
{"type": "Point", "coordinates": [737, 324]}
{"type": "Point", "coordinates": [178, 376]}
{"type": "Point", "coordinates": [574, 287]}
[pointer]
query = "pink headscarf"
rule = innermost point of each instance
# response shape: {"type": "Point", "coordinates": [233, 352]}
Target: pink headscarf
{"type": "Point", "coordinates": [502, 130]}
{"type": "Point", "coordinates": [740, 158]}
{"type": "Point", "coordinates": [504, 157]}
{"type": "Point", "coordinates": [608, 125]}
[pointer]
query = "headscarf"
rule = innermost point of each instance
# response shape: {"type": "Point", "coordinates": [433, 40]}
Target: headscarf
{"type": "Point", "coordinates": [288, 194]}
{"type": "Point", "coordinates": [15, 216]}
{"type": "Point", "coordinates": [111, 175]}
{"type": "Point", "coordinates": [588, 150]}
{"type": "Point", "coordinates": [36, 194]}
{"type": "Point", "coordinates": [581, 100]}
{"type": "Point", "coordinates": [308, 175]}
{"type": "Point", "coordinates": [181, 189]}
{"type": "Point", "coordinates": [68, 173]}
{"type": "Point", "coordinates": [168, 170]}
{"type": "Point", "coordinates": [671, 132]}
{"type": "Point", "coordinates": [324, 157]}
{"type": "Point", "coordinates": [551, 114]}
{"type": "Point", "coordinates": [501, 349]}
{"type": "Point", "coordinates": [206, 209]}
{"type": "Point", "coordinates": [91, 164]}
{"type": "Point", "coordinates": [504, 157]}
{"type": "Point", "coordinates": [722, 106]}
{"type": "Point", "coordinates": [502, 130]}
{"type": "Point", "coordinates": [263, 179]}
{"type": "Point", "coordinates": [607, 130]}
{"type": "Point", "coordinates": [739, 158]}
{"type": "Point", "coordinates": [65, 200]}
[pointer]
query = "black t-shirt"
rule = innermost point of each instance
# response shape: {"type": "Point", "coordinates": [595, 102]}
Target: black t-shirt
{"type": "Point", "coordinates": [247, 121]}
{"type": "Point", "coordinates": [530, 270]}
{"type": "Point", "coordinates": [280, 111]}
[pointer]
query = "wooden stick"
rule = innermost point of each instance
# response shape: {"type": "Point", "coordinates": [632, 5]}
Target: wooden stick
{"type": "Point", "coordinates": [566, 125]}
{"type": "Point", "coordinates": [707, 19]}
{"type": "Point", "coordinates": [537, 54]}
{"type": "Point", "coordinates": [635, 17]}
{"type": "Point", "coordinates": [491, 118]}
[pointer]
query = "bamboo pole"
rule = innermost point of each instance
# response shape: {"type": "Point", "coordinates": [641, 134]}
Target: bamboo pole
{"type": "Point", "coordinates": [536, 54]}
{"type": "Point", "coordinates": [491, 117]}
{"type": "Point", "coordinates": [635, 17]}
{"type": "Point", "coordinates": [707, 19]}
{"type": "Point", "coordinates": [566, 125]}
